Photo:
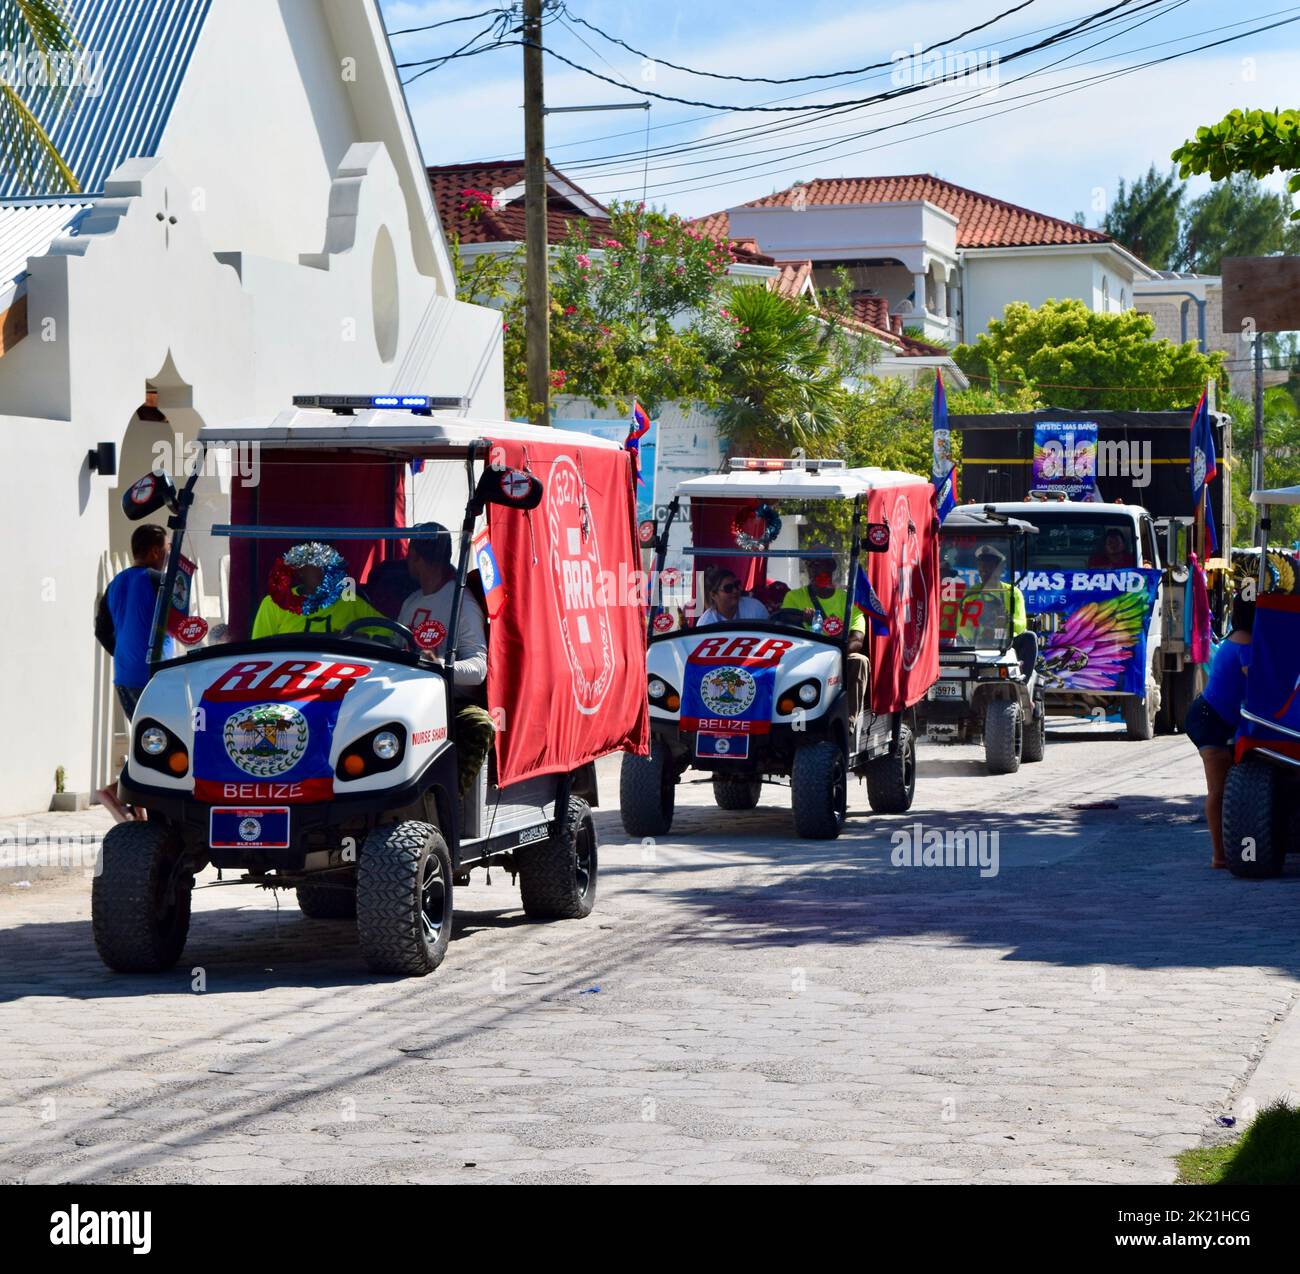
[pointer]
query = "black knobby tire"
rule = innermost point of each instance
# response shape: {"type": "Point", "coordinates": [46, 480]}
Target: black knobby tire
{"type": "Point", "coordinates": [557, 877]}
{"type": "Point", "coordinates": [647, 792]}
{"type": "Point", "coordinates": [334, 901]}
{"type": "Point", "coordinates": [819, 787]}
{"type": "Point", "coordinates": [1035, 747]}
{"type": "Point", "coordinates": [891, 780]}
{"type": "Point", "coordinates": [1253, 821]}
{"type": "Point", "coordinates": [404, 899]}
{"type": "Point", "coordinates": [1004, 736]}
{"type": "Point", "coordinates": [736, 793]}
{"type": "Point", "coordinates": [139, 904]}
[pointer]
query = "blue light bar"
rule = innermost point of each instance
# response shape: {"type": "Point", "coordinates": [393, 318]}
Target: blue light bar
{"type": "Point", "coordinates": [348, 403]}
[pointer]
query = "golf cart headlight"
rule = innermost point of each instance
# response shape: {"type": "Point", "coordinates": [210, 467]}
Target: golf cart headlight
{"type": "Point", "coordinates": [657, 688]}
{"type": "Point", "coordinates": [386, 745]}
{"type": "Point", "coordinates": [153, 741]}
{"type": "Point", "coordinates": [808, 693]}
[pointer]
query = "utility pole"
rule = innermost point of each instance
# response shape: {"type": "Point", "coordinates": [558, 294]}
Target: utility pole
{"type": "Point", "coordinates": [1257, 460]}
{"type": "Point", "coordinates": [537, 329]}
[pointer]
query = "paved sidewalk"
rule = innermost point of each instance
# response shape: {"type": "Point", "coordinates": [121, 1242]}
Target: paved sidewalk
{"type": "Point", "coordinates": [742, 1006]}
{"type": "Point", "coordinates": [39, 846]}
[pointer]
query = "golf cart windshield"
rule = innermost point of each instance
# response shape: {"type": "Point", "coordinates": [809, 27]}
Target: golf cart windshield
{"type": "Point", "coordinates": [779, 561]}
{"type": "Point", "coordinates": [977, 593]}
{"type": "Point", "coordinates": [319, 543]}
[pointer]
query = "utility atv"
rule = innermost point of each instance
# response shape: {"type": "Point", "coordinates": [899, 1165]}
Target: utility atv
{"type": "Point", "coordinates": [804, 684]}
{"type": "Point", "coordinates": [326, 759]}
{"type": "Point", "coordinates": [989, 685]}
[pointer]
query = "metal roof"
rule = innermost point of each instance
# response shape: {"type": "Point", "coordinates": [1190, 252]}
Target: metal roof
{"type": "Point", "coordinates": [143, 49]}
{"type": "Point", "coordinates": [26, 230]}
{"type": "Point", "coordinates": [798, 484]}
{"type": "Point", "coordinates": [964, 518]}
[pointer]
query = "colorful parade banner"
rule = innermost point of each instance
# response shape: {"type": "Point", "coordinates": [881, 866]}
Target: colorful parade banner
{"type": "Point", "coordinates": [1065, 457]}
{"type": "Point", "coordinates": [1271, 716]}
{"type": "Point", "coordinates": [1100, 643]}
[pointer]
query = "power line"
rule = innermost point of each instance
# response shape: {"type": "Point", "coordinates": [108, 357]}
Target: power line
{"type": "Point", "coordinates": [447, 22]}
{"type": "Point", "coordinates": [591, 166]}
{"type": "Point", "coordinates": [864, 101]}
{"type": "Point", "coordinates": [1089, 82]}
{"type": "Point", "coordinates": [788, 79]}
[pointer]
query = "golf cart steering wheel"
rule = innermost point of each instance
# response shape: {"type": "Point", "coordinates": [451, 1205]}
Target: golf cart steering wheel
{"type": "Point", "coordinates": [788, 615]}
{"type": "Point", "coordinates": [382, 621]}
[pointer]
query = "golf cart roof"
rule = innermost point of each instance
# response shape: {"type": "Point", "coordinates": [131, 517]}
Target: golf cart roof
{"type": "Point", "coordinates": [1102, 511]}
{"type": "Point", "coordinates": [797, 484]}
{"type": "Point", "coordinates": [384, 431]}
{"type": "Point", "coordinates": [974, 518]}
{"type": "Point", "coordinates": [1277, 495]}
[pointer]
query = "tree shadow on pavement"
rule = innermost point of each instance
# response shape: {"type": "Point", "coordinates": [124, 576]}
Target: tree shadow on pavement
{"type": "Point", "coordinates": [1124, 881]}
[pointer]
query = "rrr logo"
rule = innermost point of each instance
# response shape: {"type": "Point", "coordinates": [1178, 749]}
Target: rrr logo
{"type": "Point", "coordinates": [291, 679]}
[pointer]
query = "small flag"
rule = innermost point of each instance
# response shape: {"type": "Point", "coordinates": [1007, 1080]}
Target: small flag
{"type": "Point", "coordinates": [1204, 466]}
{"type": "Point", "coordinates": [639, 428]}
{"type": "Point", "coordinates": [494, 587]}
{"type": "Point", "coordinates": [943, 473]}
{"type": "Point", "coordinates": [865, 599]}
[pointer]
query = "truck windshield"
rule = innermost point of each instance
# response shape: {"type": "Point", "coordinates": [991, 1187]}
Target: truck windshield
{"type": "Point", "coordinates": [1071, 541]}
{"type": "Point", "coordinates": [977, 598]}
{"type": "Point", "coordinates": [317, 544]}
{"type": "Point", "coordinates": [784, 562]}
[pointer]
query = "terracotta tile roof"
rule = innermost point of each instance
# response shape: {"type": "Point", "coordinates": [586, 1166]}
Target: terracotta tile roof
{"type": "Point", "coordinates": [982, 221]}
{"type": "Point", "coordinates": [505, 224]}
{"type": "Point", "coordinates": [794, 275]}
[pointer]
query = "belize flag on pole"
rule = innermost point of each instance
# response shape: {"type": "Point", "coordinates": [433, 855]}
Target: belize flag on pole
{"type": "Point", "coordinates": [1204, 466]}
{"type": "Point", "coordinates": [640, 427]}
{"type": "Point", "coordinates": [943, 473]}
{"type": "Point", "coordinates": [865, 599]}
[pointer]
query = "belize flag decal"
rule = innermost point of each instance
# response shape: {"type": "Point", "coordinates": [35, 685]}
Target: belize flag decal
{"type": "Point", "coordinates": [265, 733]}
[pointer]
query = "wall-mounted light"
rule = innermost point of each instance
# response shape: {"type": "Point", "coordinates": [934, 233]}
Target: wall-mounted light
{"type": "Point", "coordinates": [102, 459]}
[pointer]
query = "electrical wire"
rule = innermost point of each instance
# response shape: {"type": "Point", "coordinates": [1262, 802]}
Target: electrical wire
{"type": "Point", "coordinates": [787, 79]}
{"type": "Point", "coordinates": [447, 22]}
{"type": "Point", "coordinates": [902, 91]}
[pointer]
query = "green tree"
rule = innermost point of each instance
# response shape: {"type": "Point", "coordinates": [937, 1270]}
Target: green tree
{"type": "Point", "coordinates": [778, 386]}
{"type": "Point", "coordinates": [1254, 142]}
{"type": "Point", "coordinates": [35, 34]}
{"type": "Point", "coordinates": [1080, 359]}
{"type": "Point", "coordinates": [1144, 217]}
{"type": "Point", "coordinates": [1238, 217]}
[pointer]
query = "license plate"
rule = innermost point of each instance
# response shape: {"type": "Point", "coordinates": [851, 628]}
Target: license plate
{"type": "Point", "coordinates": [722, 747]}
{"type": "Point", "coordinates": [249, 828]}
{"type": "Point", "coordinates": [945, 690]}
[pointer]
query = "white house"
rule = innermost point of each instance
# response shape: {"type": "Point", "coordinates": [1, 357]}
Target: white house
{"type": "Point", "coordinates": [255, 221]}
{"type": "Point", "coordinates": [943, 258]}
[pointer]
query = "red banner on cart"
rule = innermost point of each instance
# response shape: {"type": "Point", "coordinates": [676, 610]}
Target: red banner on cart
{"type": "Point", "coordinates": [904, 659]}
{"type": "Point", "coordinates": [566, 659]}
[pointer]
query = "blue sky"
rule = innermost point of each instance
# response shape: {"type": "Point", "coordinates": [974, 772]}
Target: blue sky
{"type": "Point", "coordinates": [1032, 141]}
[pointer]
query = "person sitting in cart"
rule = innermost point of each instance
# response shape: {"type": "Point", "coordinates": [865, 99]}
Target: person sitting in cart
{"type": "Point", "coordinates": [310, 592]}
{"type": "Point", "coordinates": [1114, 554]}
{"type": "Point", "coordinates": [428, 611]}
{"type": "Point", "coordinates": [726, 600]}
{"type": "Point", "coordinates": [821, 603]}
{"type": "Point", "coordinates": [996, 597]}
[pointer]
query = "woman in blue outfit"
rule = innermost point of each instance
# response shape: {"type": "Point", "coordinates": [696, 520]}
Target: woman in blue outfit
{"type": "Point", "coordinates": [1215, 716]}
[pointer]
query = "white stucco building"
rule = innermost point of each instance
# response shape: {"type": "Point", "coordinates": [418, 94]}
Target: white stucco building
{"type": "Point", "coordinates": [942, 258]}
{"type": "Point", "coordinates": [255, 222]}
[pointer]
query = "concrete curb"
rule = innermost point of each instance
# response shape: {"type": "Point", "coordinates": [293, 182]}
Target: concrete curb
{"type": "Point", "coordinates": [1278, 1072]}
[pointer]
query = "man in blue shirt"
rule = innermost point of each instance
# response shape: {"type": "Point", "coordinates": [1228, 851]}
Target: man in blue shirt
{"type": "Point", "coordinates": [124, 624]}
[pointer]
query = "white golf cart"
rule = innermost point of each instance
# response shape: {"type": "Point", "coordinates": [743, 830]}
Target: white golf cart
{"type": "Point", "coordinates": [989, 686]}
{"type": "Point", "coordinates": [326, 760]}
{"type": "Point", "coordinates": [794, 689]}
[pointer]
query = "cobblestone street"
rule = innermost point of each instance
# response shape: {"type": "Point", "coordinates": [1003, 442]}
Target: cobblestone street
{"type": "Point", "coordinates": [741, 1006]}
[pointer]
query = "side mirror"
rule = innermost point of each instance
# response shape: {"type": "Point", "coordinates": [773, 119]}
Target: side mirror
{"type": "Point", "coordinates": [513, 488]}
{"type": "Point", "coordinates": [876, 539]}
{"type": "Point", "coordinates": [149, 494]}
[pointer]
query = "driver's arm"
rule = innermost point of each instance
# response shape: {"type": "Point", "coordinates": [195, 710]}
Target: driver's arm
{"type": "Point", "coordinates": [470, 668]}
